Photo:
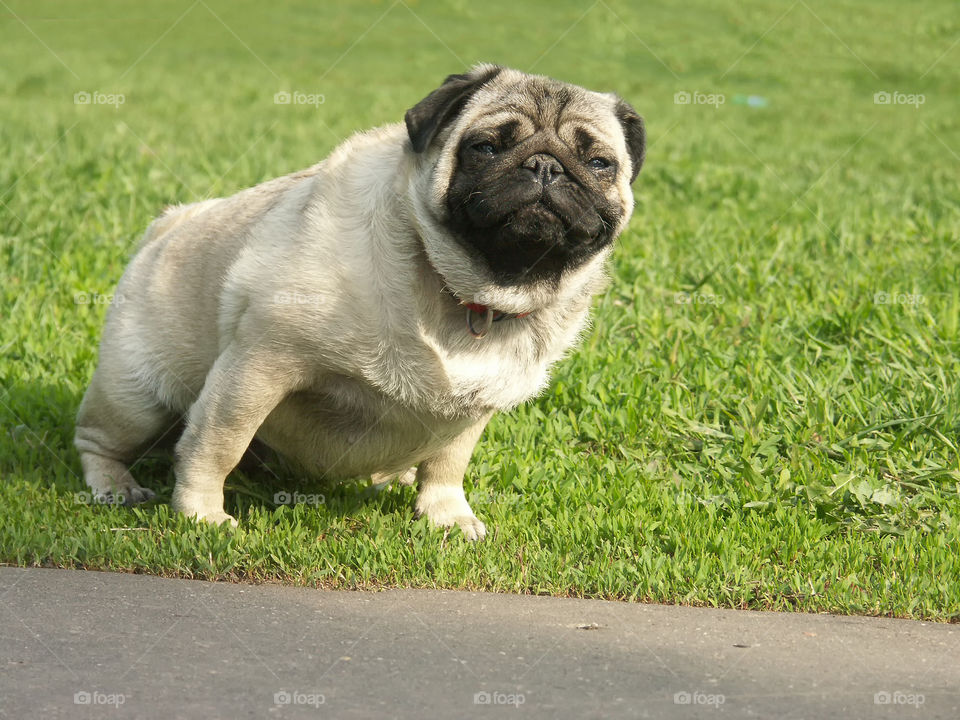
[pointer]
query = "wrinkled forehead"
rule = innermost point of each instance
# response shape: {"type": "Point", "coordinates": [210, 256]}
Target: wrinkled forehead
{"type": "Point", "coordinates": [535, 104]}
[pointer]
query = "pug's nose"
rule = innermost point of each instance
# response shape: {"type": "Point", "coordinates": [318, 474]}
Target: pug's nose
{"type": "Point", "coordinates": [545, 168]}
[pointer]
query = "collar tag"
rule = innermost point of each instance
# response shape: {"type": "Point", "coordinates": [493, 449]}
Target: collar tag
{"type": "Point", "coordinates": [486, 319]}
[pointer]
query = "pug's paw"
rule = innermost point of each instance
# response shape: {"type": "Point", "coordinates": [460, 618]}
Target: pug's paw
{"type": "Point", "coordinates": [449, 509]}
{"type": "Point", "coordinates": [218, 518]}
{"type": "Point", "coordinates": [202, 507]}
{"type": "Point", "coordinates": [471, 526]}
{"type": "Point", "coordinates": [129, 496]}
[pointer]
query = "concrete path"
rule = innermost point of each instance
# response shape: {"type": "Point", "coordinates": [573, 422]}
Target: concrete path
{"type": "Point", "coordinates": [77, 644]}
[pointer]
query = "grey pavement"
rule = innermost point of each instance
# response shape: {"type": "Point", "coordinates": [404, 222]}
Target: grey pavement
{"type": "Point", "coordinates": [88, 644]}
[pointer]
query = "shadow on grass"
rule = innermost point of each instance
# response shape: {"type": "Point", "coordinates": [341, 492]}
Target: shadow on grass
{"type": "Point", "coordinates": [37, 446]}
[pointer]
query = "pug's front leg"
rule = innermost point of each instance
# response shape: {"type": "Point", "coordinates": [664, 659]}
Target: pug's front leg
{"type": "Point", "coordinates": [440, 484]}
{"type": "Point", "coordinates": [242, 388]}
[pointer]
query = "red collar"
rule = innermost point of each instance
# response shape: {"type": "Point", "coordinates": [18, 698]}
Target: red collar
{"type": "Point", "coordinates": [482, 309]}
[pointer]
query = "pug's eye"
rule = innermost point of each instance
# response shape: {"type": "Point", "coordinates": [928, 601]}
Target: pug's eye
{"type": "Point", "coordinates": [599, 163]}
{"type": "Point", "coordinates": [484, 148]}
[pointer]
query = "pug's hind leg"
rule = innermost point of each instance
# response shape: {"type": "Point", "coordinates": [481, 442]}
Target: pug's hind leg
{"type": "Point", "coordinates": [117, 420]}
{"type": "Point", "coordinates": [440, 485]}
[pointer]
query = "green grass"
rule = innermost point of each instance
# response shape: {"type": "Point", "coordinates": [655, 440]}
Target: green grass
{"type": "Point", "coordinates": [747, 424]}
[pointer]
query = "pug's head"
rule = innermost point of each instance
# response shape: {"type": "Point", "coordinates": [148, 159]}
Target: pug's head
{"type": "Point", "coordinates": [522, 183]}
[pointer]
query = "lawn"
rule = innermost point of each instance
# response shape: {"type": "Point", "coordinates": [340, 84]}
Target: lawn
{"type": "Point", "coordinates": [765, 412]}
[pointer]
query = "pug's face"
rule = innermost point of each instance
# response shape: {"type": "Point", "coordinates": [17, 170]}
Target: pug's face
{"type": "Point", "coordinates": [529, 176]}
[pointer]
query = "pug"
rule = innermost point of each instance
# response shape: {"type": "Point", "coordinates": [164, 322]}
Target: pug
{"type": "Point", "coordinates": [368, 315]}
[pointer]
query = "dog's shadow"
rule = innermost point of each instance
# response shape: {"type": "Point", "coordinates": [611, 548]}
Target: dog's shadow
{"type": "Point", "coordinates": [37, 446]}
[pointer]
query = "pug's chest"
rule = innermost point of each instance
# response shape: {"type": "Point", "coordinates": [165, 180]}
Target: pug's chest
{"type": "Point", "coordinates": [441, 393]}
{"type": "Point", "coordinates": [496, 381]}
{"type": "Point", "coordinates": [344, 427]}
{"type": "Point", "coordinates": [497, 372]}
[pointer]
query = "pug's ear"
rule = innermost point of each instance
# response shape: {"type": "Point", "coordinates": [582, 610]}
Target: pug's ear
{"type": "Point", "coordinates": [635, 134]}
{"type": "Point", "coordinates": [425, 119]}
